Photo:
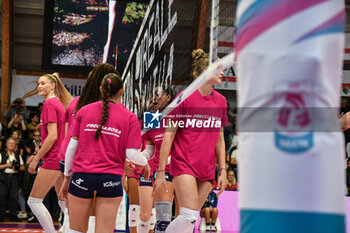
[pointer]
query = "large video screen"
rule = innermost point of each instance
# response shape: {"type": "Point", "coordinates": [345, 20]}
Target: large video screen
{"type": "Point", "coordinates": [79, 34]}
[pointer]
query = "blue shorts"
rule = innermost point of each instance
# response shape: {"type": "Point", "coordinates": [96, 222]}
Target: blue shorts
{"type": "Point", "coordinates": [62, 166]}
{"type": "Point", "coordinates": [143, 182]}
{"type": "Point", "coordinates": [168, 177]}
{"type": "Point", "coordinates": [83, 185]}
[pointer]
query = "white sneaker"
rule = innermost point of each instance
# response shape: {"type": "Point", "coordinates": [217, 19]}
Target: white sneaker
{"type": "Point", "coordinates": [22, 215]}
{"type": "Point", "coordinates": [207, 228]}
{"type": "Point", "coordinates": [213, 228]}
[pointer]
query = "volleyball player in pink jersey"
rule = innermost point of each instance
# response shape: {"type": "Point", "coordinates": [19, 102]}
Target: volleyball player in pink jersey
{"type": "Point", "coordinates": [157, 218]}
{"type": "Point", "coordinates": [194, 146]}
{"type": "Point", "coordinates": [52, 129]}
{"type": "Point", "coordinates": [90, 93]}
{"type": "Point", "coordinates": [104, 134]}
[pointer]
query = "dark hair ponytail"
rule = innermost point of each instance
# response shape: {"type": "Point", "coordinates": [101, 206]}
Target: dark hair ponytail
{"type": "Point", "coordinates": [91, 90]}
{"type": "Point", "coordinates": [111, 85]}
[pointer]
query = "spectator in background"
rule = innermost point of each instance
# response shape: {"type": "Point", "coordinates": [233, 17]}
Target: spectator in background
{"type": "Point", "coordinates": [232, 159]}
{"type": "Point", "coordinates": [19, 144]}
{"type": "Point", "coordinates": [234, 141]}
{"type": "Point", "coordinates": [209, 211]}
{"type": "Point", "coordinates": [232, 183]}
{"type": "Point", "coordinates": [37, 140]}
{"type": "Point", "coordinates": [17, 107]}
{"type": "Point", "coordinates": [344, 105]}
{"type": "Point", "coordinates": [17, 123]}
{"type": "Point", "coordinates": [228, 130]}
{"type": "Point", "coordinates": [10, 164]}
{"type": "Point", "coordinates": [24, 182]}
{"type": "Point", "coordinates": [232, 153]}
{"type": "Point", "coordinates": [34, 125]}
{"type": "Point", "coordinates": [3, 135]}
{"type": "Point", "coordinates": [40, 109]}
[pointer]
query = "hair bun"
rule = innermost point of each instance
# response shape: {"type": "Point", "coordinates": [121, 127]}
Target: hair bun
{"type": "Point", "coordinates": [196, 54]}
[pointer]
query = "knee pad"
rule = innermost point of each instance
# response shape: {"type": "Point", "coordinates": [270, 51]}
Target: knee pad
{"type": "Point", "coordinates": [37, 206]}
{"type": "Point", "coordinates": [134, 215]}
{"type": "Point", "coordinates": [143, 227]}
{"type": "Point", "coordinates": [42, 214]}
{"type": "Point", "coordinates": [152, 220]}
{"type": "Point", "coordinates": [163, 215]}
{"type": "Point", "coordinates": [189, 215]}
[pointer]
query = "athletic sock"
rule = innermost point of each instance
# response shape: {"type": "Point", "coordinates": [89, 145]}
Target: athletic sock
{"type": "Point", "coordinates": [184, 223]}
{"type": "Point", "coordinates": [42, 214]}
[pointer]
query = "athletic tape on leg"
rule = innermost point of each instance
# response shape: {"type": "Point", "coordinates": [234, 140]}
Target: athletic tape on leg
{"type": "Point", "coordinates": [163, 215]}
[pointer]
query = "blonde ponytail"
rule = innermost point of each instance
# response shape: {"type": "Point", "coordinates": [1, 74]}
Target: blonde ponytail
{"type": "Point", "coordinates": [200, 62]}
{"type": "Point", "coordinates": [60, 91]}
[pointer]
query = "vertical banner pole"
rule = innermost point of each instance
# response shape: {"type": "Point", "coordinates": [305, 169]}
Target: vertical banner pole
{"type": "Point", "coordinates": [291, 149]}
{"type": "Point", "coordinates": [214, 27]}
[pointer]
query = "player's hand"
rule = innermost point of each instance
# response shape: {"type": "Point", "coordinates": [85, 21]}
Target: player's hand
{"type": "Point", "coordinates": [32, 166]}
{"type": "Point", "coordinates": [160, 180]}
{"type": "Point", "coordinates": [222, 182]}
{"type": "Point", "coordinates": [30, 159]}
{"type": "Point", "coordinates": [63, 194]}
{"type": "Point", "coordinates": [128, 168]}
{"type": "Point", "coordinates": [146, 169]}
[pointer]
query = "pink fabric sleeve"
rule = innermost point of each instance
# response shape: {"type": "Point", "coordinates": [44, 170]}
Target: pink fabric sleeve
{"type": "Point", "coordinates": [76, 124]}
{"type": "Point", "coordinates": [134, 134]}
{"type": "Point", "coordinates": [49, 113]}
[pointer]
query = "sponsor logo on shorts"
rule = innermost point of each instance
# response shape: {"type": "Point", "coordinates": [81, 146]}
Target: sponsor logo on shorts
{"type": "Point", "coordinates": [142, 179]}
{"type": "Point", "coordinates": [111, 184]}
{"type": "Point", "coordinates": [77, 183]}
{"type": "Point", "coordinates": [167, 176]}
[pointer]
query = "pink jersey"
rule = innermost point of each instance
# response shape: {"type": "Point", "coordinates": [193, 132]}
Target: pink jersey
{"type": "Point", "coordinates": [199, 118]}
{"type": "Point", "coordinates": [107, 154]}
{"type": "Point", "coordinates": [53, 112]}
{"type": "Point", "coordinates": [156, 136]}
{"type": "Point", "coordinates": [70, 119]}
{"type": "Point", "coordinates": [136, 174]}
